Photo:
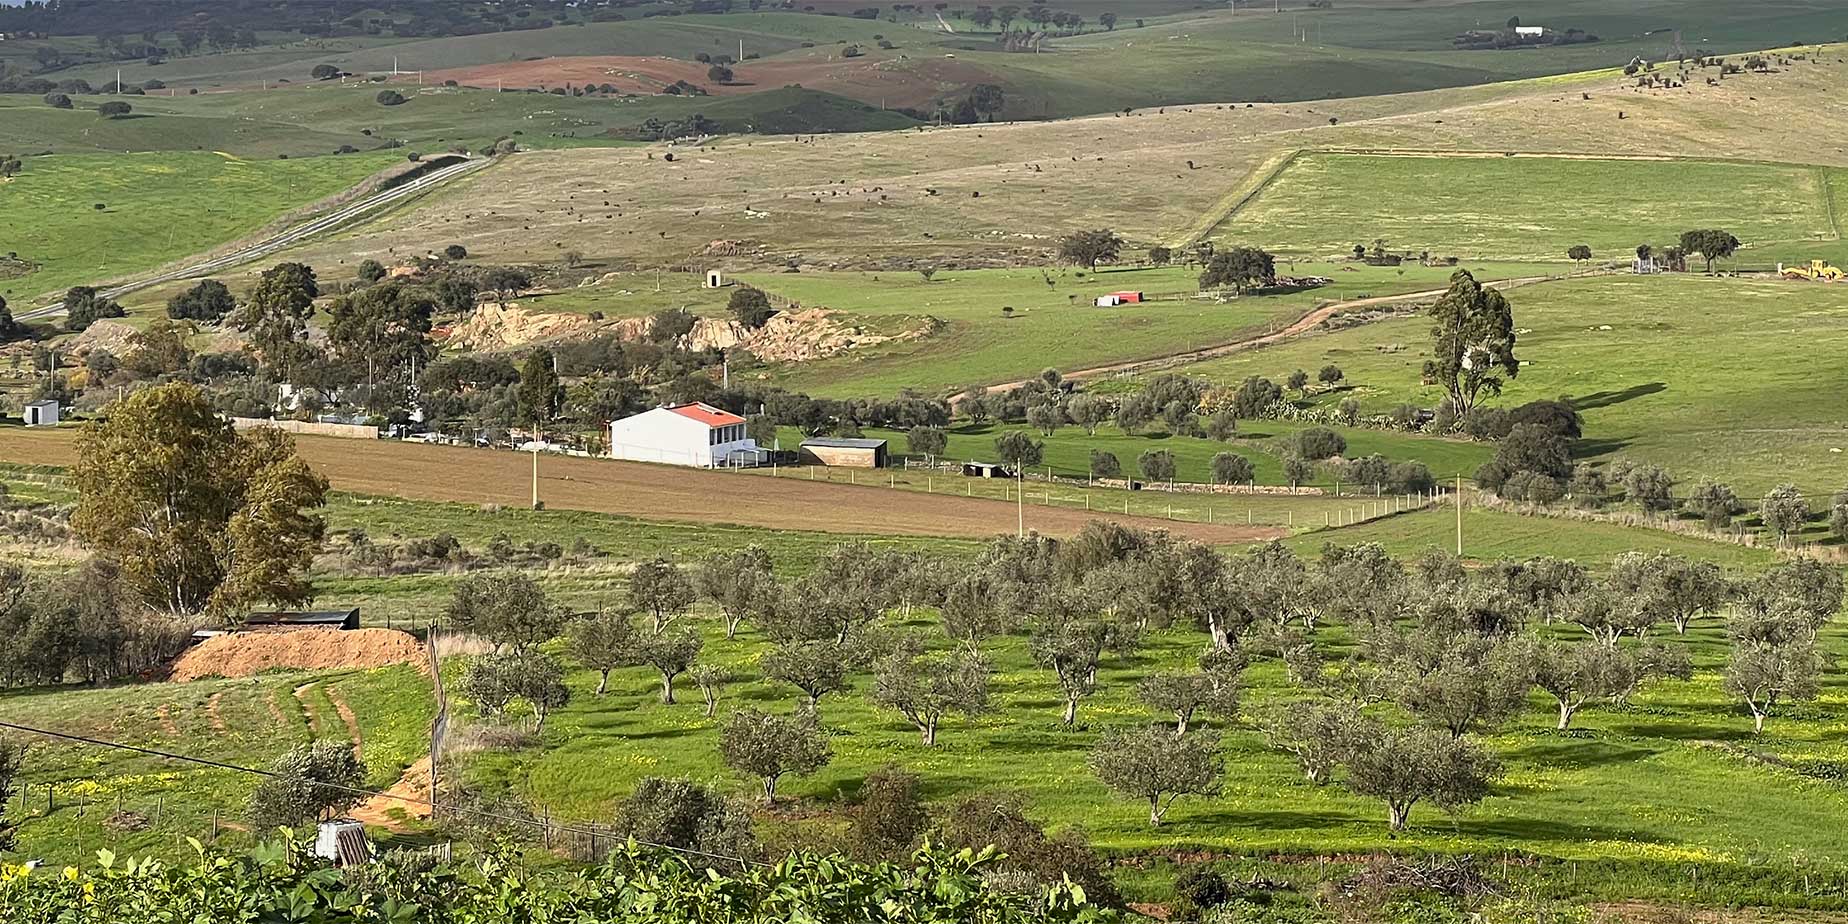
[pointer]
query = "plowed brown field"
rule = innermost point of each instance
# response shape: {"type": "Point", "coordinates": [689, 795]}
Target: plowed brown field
{"type": "Point", "coordinates": [652, 492]}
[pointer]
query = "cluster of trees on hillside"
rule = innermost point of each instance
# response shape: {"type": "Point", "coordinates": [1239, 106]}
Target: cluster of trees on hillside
{"type": "Point", "coordinates": [190, 523]}
{"type": "Point", "coordinates": [1439, 654]}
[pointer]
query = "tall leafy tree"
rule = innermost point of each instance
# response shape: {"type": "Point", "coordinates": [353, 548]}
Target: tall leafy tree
{"type": "Point", "coordinates": [1472, 342]}
{"type": "Point", "coordinates": [1241, 268]}
{"type": "Point", "coordinates": [276, 316]}
{"type": "Point", "coordinates": [198, 516]}
{"type": "Point", "coordinates": [1405, 766]}
{"type": "Point", "coordinates": [208, 301]}
{"type": "Point", "coordinates": [1089, 248]}
{"type": "Point", "coordinates": [1711, 243]}
{"type": "Point", "coordinates": [385, 328]}
{"type": "Point", "coordinates": [539, 394]}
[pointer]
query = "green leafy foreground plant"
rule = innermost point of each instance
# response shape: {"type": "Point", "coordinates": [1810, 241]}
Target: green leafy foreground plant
{"type": "Point", "coordinates": [283, 883]}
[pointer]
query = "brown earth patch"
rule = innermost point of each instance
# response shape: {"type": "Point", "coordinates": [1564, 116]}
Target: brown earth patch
{"type": "Point", "coordinates": [247, 654]}
{"type": "Point", "coordinates": [167, 724]}
{"type": "Point", "coordinates": [409, 797]}
{"type": "Point", "coordinates": [651, 492]}
{"type": "Point", "coordinates": [347, 718]}
{"type": "Point", "coordinates": [212, 711]}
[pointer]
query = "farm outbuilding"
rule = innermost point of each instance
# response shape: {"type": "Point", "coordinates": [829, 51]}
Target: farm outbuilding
{"type": "Point", "coordinates": [844, 453]}
{"type": "Point", "coordinates": [986, 470]}
{"type": "Point", "coordinates": [696, 434]}
{"type": "Point", "coordinates": [1119, 298]}
{"type": "Point", "coordinates": [715, 279]}
{"type": "Point", "coordinates": [42, 414]}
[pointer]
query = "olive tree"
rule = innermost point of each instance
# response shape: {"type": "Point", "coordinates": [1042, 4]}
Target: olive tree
{"type": "Point", "coordinates": [1714, 502]}
{"type": "Point", "coordinates": [740, 583]}
{"type": "Point", "coordinates": [1774, 661]}
{"type": "Point", "coordinates": [1317, 733]}
{"type": "Point", "coordinates": [1784, 511]}
{"type": "Point", "coordinates": [817, 668]}
{"type": "Point", "coordinates": [1668, 587]}
{"type": "Point", "coordinates": [1404, 766]}
{"type": "Point", "coordinates": [770, 747]}
{"type": "Point", "coordinates": [509, 609]}
{"type": "Point", "coordinates": [1156, 465]}
{"type": "Point", "coordinates": [659, 588]}
{"type": "Point", "coordinates": [603, 642]}
{"type": "Point", "coordinates": [925, 689]}
{"type": "Point", "coordinates": [310, 782]}
{"type": "Point", "coordinates": [1213, 688]}
{"type": "Point", "coordinates": [929, 442]}
{"type": "Point", "coordinates": [669, 653]}
{"type": "Point", "coordinates": [1151, 764]}
{"type": "Point", "coordinates": [1089, 412]}
{"type": "Point", "coordinates": [711, 679]}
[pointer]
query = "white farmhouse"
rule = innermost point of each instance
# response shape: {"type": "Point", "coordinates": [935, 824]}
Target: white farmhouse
{"type": "Point", "coordinates": [1530, 31]}
{"type": "Point", "coordinates": [695, 434]}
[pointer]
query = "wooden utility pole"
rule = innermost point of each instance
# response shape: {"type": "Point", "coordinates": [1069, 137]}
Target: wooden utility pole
{"type": "Point", "coordinates": [1459, 516]}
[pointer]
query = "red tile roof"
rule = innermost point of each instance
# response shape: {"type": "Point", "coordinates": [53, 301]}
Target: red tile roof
{"type": "Point", "coordinates": [707, 414]}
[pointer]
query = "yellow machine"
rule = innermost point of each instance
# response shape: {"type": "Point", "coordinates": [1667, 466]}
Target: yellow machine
{"type": "Point", "coordinates": [1817, 270]}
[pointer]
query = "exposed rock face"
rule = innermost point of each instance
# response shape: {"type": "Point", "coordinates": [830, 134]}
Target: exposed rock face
{"type": "Point", "coordinates": [495, 326]}
{"type": "Point", "coordinates": [108, 334]}
{"type": "Point", "coordinates": [790, 337]}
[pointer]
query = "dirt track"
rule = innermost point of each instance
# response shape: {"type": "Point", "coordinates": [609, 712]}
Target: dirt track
{"type": "Point", "coordinates": [1300, 326]}
{"type": "Point", "coordinates": [653, 492]}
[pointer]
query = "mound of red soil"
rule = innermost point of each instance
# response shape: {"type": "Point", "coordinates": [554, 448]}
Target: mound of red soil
{"type": "Point", "coordinates": [247, 654]}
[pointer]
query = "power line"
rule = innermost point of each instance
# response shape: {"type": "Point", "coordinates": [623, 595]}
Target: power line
{"type": "Point", "coordinates": [271, 774]}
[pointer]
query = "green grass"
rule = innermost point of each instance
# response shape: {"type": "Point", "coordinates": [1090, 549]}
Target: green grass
{"type": "Point", "coordinates": [1706, 377]}
{"type": "Point", "coordinates": [1068, 451]}
{"type": "Point", "coordinates": [157, 208]}
{"type": "Point", "coordinates": [393, 705]}
{"type": "Point", "coordinates": [1493, 534]}
{"type": "Point", "coordinates": [1053, 324]}
{"type": "Point", "coordinates": [318, 119]}
{"type": "Point", "coordinates": [1533, 208]}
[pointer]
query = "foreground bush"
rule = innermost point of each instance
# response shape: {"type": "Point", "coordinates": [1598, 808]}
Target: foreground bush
{"type": "Point", "coordinates": [283, 884]}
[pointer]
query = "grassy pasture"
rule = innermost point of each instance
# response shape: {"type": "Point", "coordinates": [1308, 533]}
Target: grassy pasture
{"type": "Point", "coordinates": [1716, 377]}
{"type": "Point", "coordinates": [247, 722]}
{"type": "Point", "coordinates": [1533, 208]}
{"type": "Point", "coordinates": [1558, 799]}
{"type": "Point", "coordinates": [157, 208]}
{"type": "Point", "coordinates": [1054, 322]}
{"type": "Point", "coordinates": [1068, 451]}
{"type": "Point", "coordinates": [318, 118]}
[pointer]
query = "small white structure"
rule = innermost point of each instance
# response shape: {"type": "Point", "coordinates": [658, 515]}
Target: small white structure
{"type": "Point", "coordinates": [1109, 301]}
{"type": "Point", "coordinates": [42, 414]}
{"type": "Point", "coordinates": [344, 842]}
{"type": "Point", "coordinates": [698, 435]}
{"type": "Point", "coordinates": [1534, 31]}
{"type": "Point", "coordinates": [715, 280]}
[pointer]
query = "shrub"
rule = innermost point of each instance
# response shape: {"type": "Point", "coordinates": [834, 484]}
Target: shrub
{"type": "Point", "coordinates": [390, 98]}
{"type": "Point", "coordinates": [1317, 443]}
{"type": "Point", "coordinates": [1231, 468]}
{"type": "Point", "coordinates": [1203, 886]}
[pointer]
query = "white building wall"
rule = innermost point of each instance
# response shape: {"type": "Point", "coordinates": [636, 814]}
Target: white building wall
{"type": "Point", "coordinates": [663, 436]}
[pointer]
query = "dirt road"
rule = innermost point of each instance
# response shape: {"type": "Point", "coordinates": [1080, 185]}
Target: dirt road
{"type": "Point", "coordinates": [1300, 326]}
{"type": "Point", "coordinates": [653, 492]}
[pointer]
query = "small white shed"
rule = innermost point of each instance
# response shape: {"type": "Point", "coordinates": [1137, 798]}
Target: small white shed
{"type": "Point", "coordinates": [715, 279]}
{"type": "Point", "coordinates": [42, 414]}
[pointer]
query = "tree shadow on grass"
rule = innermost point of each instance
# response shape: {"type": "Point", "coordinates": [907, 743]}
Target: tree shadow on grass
{"type": "Point", "coordinates": [1592, 448]}
{"type": "Point", "coordinates": [1536, 829]}
{"type": "Point", "coordinates": [1607, 398]}
{"type": "Point", "coordinates": [1272, 820]}
{"type": "Point", "coordinates": [1580, 753]}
